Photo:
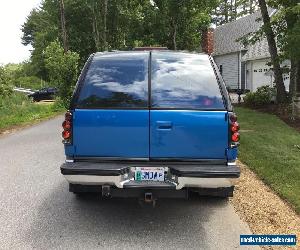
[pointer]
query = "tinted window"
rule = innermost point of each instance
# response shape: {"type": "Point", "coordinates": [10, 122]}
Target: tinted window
{"type": "Point", "coordinates": [117, 80]}
{"type": "Point", "coordinates": [184, 80]}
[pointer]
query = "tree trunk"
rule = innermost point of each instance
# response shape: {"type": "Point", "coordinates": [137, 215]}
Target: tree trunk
{"type": "Point", "coordinates": [63, 25]}
{"type": "Point", "coordinates": [226, 11]}
{"type": "Point", "coordinates": [281, 93]}
{"type": "Point", "coordinates": [93, 5]}
{"type": "Point", "coordinates": [105, 24]}
{"type": "Point", "coordinates": [251, 7]}
{"type": "Point", "coordinates": [174, 34]}
{"type": "Point", "coordinates": [95, 28]}
{"type": "Point", "coordinates": [295, 87]}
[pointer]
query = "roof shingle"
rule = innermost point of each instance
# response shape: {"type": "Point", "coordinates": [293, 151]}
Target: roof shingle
{"type": "Point", "coordinates": [225, 36]}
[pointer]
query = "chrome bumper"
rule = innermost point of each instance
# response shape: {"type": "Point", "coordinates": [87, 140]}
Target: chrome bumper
{"type": "Point", "coordinates": [178, 182]}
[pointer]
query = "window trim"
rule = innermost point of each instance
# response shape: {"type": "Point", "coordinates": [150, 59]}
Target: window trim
{"type": "Point", "coordinates": [80, 82]}
{"type": "Point", "coordinates": [221, 69]}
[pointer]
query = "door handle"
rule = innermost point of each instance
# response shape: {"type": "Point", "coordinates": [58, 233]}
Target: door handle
{"type": "Point", "coordinates": [164, 125]}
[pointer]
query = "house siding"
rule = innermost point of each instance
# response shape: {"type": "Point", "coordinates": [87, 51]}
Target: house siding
{"type": "Point", "coordinates": [230, 68]}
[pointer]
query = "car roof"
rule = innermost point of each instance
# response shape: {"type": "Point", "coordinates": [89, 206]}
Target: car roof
{"type": "Point", "coordinates": [144, 52]}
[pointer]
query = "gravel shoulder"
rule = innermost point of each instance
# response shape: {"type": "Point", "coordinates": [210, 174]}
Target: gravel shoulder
{"type": "Point", "coordinates": [263, 210]}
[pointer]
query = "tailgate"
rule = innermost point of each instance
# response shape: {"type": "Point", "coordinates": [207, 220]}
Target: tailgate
{"type": "Point", "coordinates": [188, 134]}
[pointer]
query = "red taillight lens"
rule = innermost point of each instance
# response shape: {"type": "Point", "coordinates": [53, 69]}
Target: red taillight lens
{"type": "Point", "coordinates": [235, 137]}
{"type": "Point", "coordinates": [233, 118]}
{"type": "Point", "coordinates": [68, 116]}
{"type": "Point", "coordinates": [66, 134]}
{"type": "Point", "coordinates": [235, 127]}
{"type": "Point", "coordinates": [67, 126]}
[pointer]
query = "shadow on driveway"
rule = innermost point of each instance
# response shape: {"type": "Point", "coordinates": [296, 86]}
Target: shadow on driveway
{"type": "Point", "coordinates": [65, 221]}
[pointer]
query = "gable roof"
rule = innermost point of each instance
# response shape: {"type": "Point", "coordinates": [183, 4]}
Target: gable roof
{"type": "Point", "coordinates": [258, 50]}
{"type": "Point", "coordinates": [225, 36]}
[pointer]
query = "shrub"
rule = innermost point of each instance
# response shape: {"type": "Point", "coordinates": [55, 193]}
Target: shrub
{"type": "Point", "coordinates": [63, 70]}
{"type": "Point", "coordinates": [29, 82]}
{"type": "Point", "coordinates": [263, 96]}
{"type": "Point", "coordinates": [59, 105]}
{"type": "Point", "coordinates": [5, 90]}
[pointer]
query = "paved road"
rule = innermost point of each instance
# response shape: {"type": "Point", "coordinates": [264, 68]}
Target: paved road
{"type": "Point", "coordinates": [37, 211]}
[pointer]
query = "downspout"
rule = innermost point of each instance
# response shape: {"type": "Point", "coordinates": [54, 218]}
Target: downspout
{"type": "Point", "coordinates": [246, 82]}
{"type": "Point", "coordinates": [240, 70]}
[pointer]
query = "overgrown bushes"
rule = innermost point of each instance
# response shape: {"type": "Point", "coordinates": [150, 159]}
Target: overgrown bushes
{"type": "Point", "coordinates": [262, 96]}
{"type": "Point", "coordinates": [5, 90]}
{"type": "Point", "coordinates": [62, 69]}
{"type": "Point", "coordinates": [17, 109]}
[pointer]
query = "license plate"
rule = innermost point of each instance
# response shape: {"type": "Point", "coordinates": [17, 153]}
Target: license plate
{"type": "Point", "coordinates": [149, 174]}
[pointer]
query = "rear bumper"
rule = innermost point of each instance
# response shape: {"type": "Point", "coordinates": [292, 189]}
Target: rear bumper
{"type": "Point", "coordinates": [179, 176]}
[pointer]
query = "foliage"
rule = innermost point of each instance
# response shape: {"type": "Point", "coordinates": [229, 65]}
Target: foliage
{"type": "Point", "coordinates": [62, 68]}
{"type": "Point", "coordinates": [5, 88]}
{"type": "Point", "coordinates": [17, 109]}
{"type": "Point", "coordinates": [19, 75]}
{"type": "Point", "coordinates": [29, 82]}
{"type": "Point", "coordinates": [230, 10]}
{"type": "Point", "coordinates": [286, 24]}
{"type": "Point", "coordinates": [286, 27]}
{"type": "Point", "coordinates": [271, 148]}
{"type": "Point", "coordinates": [124, 24]}
{"type": "Point", "coordinates": [262, 96]}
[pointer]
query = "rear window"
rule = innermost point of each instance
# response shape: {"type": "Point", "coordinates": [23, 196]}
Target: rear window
{"type": "Point", "coordinates": [185, 81]}
{"type": "Point", "coordinates": [118, 80]}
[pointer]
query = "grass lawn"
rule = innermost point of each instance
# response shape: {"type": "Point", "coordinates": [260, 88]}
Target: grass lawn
{"type": "Point", "coordinates": [18, 110]}
{"type": "Point", "coordinates": [272, 149]}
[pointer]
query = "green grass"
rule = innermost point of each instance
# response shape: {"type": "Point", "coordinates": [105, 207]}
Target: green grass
{"type": "Point", "coordinates": [269, 147]}
{"type": "Point", "coordinates": [18, 110]}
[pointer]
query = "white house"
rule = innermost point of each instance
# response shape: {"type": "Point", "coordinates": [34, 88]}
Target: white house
{"type": "Point", "coordinates": [241, 67]}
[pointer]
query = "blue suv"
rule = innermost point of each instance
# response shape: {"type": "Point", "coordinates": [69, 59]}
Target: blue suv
{"type": "Point", "coordinates": [150, 124]}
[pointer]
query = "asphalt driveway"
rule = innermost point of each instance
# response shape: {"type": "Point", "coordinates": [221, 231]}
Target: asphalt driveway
{"type": "Point", "coordinates": [37, 211]}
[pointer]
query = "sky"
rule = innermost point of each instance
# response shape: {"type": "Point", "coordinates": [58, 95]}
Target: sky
{"type": "Point", "coordinates": [13, 14]}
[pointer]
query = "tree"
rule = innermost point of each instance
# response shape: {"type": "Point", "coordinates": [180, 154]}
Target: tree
{"type": "Point", "coordinates": [63, 25]}
{"type": "Point", "coordinates": [286, 23]}
{"type": "Point", "coordinates": [5, 88]}
{"type": "Point", "coordinates": [230, 10]}
{"type": "Point", "coordinates": [182, 21]}
{"type": "Point", "coordinates": [63, 69]}
{"type": "Point", "coordinates": [267, 28]}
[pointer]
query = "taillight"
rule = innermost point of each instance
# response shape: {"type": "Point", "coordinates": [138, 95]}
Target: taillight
{"type": "Point", "coordinates": [235, 127]}
{"type": "Point", "coordinates": [67, 126]}
{"type": "Point", "coordinates": [235, 137]}
{"type": "Point", "coordinates": [233, 117]}
{"type": "Point", "coordinates": [66, 134]}
{"type": "Point", "coordinates": [234, 130]}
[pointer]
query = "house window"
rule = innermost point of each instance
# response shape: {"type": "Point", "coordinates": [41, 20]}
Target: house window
{"type": "Point", "coordinates": [260, 70]}
{"type": "Point", "coordinates": [221, 69]}
{"type": "Point", "coordinates": [255, 70]}
{"type": "Point", "coordinates": [265, 70]}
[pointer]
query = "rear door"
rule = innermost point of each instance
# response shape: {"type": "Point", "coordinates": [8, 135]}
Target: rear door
{"type": "Point", "coordinates": [188, 119]}
{"type": "Point", "coordinates": [111, 117]}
